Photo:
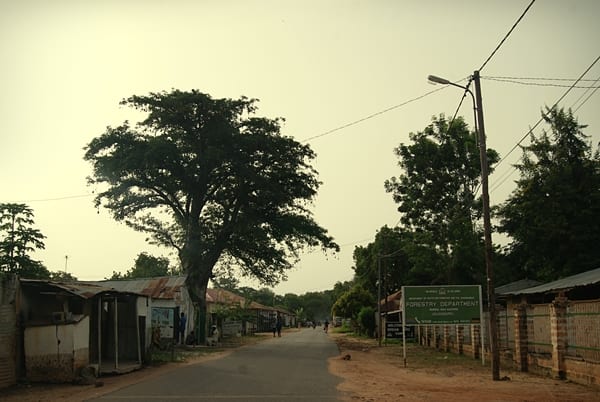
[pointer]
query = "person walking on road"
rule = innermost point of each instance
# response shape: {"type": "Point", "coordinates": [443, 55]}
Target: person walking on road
{"type": "Point", "coordinates": [278, 325]}
{"type": "Point", "coordinates": [182, 322]}
{"type": "Point", "coordinates": [326, 326]}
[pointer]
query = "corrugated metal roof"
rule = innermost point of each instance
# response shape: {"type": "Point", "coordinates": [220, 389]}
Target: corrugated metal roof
{"type": "Point", "coordinates": [517, 285]}
{"type": "Point", "coordinates": [226, 297]}
{"type": "Point", "coordinates": [84, 290]}
{"type": "Point", "coordinates": [583, 279]}
{"type": "Point", "coordinates": [394, 302]}
{"type": "Point", "coordinates": [164, 287]}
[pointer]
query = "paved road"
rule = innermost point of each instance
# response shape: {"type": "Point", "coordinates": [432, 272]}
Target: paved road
{"type": "Point", "coordinates": [290, 368]}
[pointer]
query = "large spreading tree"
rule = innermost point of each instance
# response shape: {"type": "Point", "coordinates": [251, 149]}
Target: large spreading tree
{"type": "Point", "coordinates": [553, 216]}
{"type": "Point", "coordinates": [436, 194]}
{"type": "Point", "coordinates": [211, 179]}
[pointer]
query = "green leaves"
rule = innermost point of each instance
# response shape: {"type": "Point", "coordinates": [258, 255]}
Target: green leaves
{"type": "Point", "coordinates": [436, 198]}
{"type": "Point", "coordinates": [553, 216]}
{"type": "Point", "coordinates": [207, 177]}
{"type": "Point", "coordinates": [18, 239]}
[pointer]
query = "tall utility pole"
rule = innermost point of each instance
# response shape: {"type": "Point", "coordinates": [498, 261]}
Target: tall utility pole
{"type": "Point", "coordinates": [487, 228]}
{"type": "Point", "coordinates": [379, 299]}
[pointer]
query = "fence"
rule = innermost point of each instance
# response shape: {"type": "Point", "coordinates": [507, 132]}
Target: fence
{"type": "Point", "coordinates": [583, 334]}
{"type": "Point", "coordinates": [561, 338]}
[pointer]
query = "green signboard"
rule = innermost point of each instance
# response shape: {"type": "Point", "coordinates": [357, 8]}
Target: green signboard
{"type": "Point", "coordinates": [442, 304]}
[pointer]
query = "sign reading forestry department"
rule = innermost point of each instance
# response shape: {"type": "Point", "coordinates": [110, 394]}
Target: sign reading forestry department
{"type": "Point", "coordinates": [442, 304]}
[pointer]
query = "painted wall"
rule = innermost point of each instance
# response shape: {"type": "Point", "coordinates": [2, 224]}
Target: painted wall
{"type": "Point", "coordinates": [56, 353]}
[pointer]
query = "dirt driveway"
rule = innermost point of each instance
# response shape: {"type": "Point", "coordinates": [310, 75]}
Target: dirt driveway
{"type": "Point", "coordinates": [372, 374]}
{"type": "Point", "coordinates": [378, 375]}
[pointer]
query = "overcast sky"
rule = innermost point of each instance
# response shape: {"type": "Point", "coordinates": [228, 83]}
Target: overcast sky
{"type": "Point", "coordinates": [321, 65]}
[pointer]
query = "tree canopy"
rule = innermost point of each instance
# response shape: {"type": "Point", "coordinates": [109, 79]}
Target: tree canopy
{"type": "Point", "coordinates": [211, 179]}
{"type": "Point", "coordinates": [553, 216]}
{"type": "Point", "coordinates": [350, 304]}
{"type": "Point", "coordinates": [147, 266]}
{"type": "Point", "coordinates": [436, 197]}
{"type": "Point", "coordinates": [18, 239]}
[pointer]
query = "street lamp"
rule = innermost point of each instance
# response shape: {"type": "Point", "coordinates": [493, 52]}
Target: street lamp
{"type": "Point", "coordinates": [487, 227]}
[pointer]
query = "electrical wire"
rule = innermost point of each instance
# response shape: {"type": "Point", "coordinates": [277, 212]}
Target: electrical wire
{"type": "Point", "coordinates": [537, 84]}
{"type": "Point", "coordinates": [68, 197]}
{"type": "Point", "coordinates": [372, 115]}
{"type": "Point", "coordinates": [507, 35]}
{"type": "Point", "coordinates": [530, 131]}
{"type": "Point", "coordinates": [506, 175]}
{"type": "Point", "coordinates": [534, 78]}
{"type": "Point", "coordinates": [586, 99]}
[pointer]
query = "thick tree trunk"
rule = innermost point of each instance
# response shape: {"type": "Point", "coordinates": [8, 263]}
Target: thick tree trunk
{"type": "Point", "coordinates": [202, 312]}
{"type": "Point", "coordinates": [198, 264]}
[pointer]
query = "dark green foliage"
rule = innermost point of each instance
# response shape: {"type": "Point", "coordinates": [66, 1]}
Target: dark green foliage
{"type": "Point", "coordinates": [350, 303]}
{"type": "Point", "coordinates": [264, 296]}
{"type": "Point", "coordinates": [388, 253]}
{"type": "Point", "coordinates": [147, 266]}
{"type": "Point", "coordinates": [553, 217]}
{"type": "Point", "coordinates": [366, 320]}
{"type": "Point", "coordinates": [209, 178]}
{"type": "Point", "coordinates": [18, 239]}
{"type": "Point", "coordinates": [436, 196]}
{"type": "Point", "coordinates": [317, 305]}
{"type": "Point", "coordinates": [62, 276]}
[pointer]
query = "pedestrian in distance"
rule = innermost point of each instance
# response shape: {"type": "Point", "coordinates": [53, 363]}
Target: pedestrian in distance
{"type": "Point", "coordinates": [182, 322]}
{"type": "Point", "coordinates": [278, 325]}
{"type": "Point", "coordinates": [326, 326]}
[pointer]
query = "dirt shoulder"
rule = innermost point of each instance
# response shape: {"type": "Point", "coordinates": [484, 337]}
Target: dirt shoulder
{"type": "Point", "coordinates": [372, 373]}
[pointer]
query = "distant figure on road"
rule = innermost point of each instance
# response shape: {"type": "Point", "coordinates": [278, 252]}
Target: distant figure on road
{"type": "Point", "coordinates": [274, 328]}
{"type": "Point", "coordinates": [326, 326]}
{"type": "Point", "coordinates": [182, 322]}
{"type": "Point", "coordinates": [278, 325]}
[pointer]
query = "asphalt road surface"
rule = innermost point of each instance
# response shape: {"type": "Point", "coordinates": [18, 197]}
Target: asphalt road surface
{"type": "Point", "coordinates": [290, 368]}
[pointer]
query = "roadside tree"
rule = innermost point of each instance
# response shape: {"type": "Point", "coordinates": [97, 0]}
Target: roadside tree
{"type": "Point", "coordinates": [349, 304]}
{"type": "Point", "coordinates": [210, 179]}
{"type": "Point", "coordinates": [553, 216]}
{"type": "Point", "coordinates": [18, 239]}
{"type": "Point", "coordinates": [147, 266]}
{"type": "Point", "coordinates": [436, 198]}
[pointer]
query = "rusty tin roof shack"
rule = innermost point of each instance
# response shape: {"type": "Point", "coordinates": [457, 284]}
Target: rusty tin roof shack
{"type": "Point", "coordinates": [70, 326]}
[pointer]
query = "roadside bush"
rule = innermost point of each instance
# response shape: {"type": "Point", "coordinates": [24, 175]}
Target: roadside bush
{"type": "Point", "coordinates": [366, 321]}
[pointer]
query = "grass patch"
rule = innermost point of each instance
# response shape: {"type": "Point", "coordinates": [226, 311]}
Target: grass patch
{"type": "Point", "coordinates": [344, 329]}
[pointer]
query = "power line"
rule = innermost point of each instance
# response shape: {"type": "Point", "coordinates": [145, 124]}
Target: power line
{"type": "Point", "coordinates": [534, 78]}
{"type": "Point", "coordinates": [538, 84]}
{"type": "Point", "coordinates": [507, 35]}
{"type": "Point", "coordinates": [506, 175]}
{"type": "Point", "coordinates": [371, 115]}
{"type": "Point", "coordinates": [586, 99]}
{"type": "Point", "coordinates": [56, 199]}
{"type": "Point", "coordinates": [496, 185]}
